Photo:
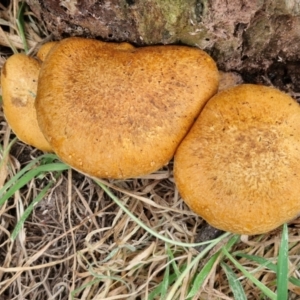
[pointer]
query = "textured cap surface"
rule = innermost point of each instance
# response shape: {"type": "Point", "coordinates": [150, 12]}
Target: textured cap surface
{"type": "Point", "coordinates": [19, 79]}
{"type": "Point", "coordinates": [238, 167]}
{"type": "Point", "coordinates": [115, 111]}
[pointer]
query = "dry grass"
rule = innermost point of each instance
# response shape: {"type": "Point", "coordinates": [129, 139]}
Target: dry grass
{"type": "Point", "coordinates": [78, 244]}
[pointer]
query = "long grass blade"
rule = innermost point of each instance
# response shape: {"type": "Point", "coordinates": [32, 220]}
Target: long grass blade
{"type": "Point", "coordinates": [41, 160]}
{"type": "Point", "coordinates": [165, 283]}
{"type": "Point", "coordinates": [282, 266]}
{"type": "Point", "coordinates": [200, 278]}
{"type": "Point", "coordinates": [260, 285]}
{"type": "Point", "coordinates": [29, 209]}
{"type": "Point", "coordinates": [234, 283]}
{"type": "Point", "coordinates": [21, 25]}
{"type": "Point", "coordinates": [152, 232]}
{"type": "Point", "coordinates": [158, 290]}
{"type": "Point", "coordinates": [28, 176]}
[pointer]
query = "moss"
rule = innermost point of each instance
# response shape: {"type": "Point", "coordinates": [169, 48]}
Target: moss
{"type": "Point", "coordinates": [164, 19]}
{"type": "Point", "coordinates": [258, 34]}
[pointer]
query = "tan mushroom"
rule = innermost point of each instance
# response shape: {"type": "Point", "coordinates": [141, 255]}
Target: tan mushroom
{"type": "Point", "coordinates": [115, 111]}
{"type": "Point", "coordinates": [238, 167]}
{"type": "Point", "coordinates": [19, 79]}
{"type": "Point", "coordinates": [45, 49]}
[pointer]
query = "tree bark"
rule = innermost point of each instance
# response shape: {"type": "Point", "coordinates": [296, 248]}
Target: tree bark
{"type": "Point", "coordinates": [258, 38]}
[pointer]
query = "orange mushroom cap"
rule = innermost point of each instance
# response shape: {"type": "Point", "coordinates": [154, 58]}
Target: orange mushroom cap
{"type": "Point", "coordinates": [19, 79]}
{"type": "Point", "coordinates": [115, 111]}
{"type": "Point", "coordinates": [238, 167]}
{"type": "Point", "coordinates": [45, 49]}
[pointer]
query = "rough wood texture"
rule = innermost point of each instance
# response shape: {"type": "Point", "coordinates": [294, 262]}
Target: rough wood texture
{"type": "Point", "coordinates": [258, 38]}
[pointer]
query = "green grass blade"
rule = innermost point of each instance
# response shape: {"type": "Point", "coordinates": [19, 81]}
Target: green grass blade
{"type": "Point", "coordinates": [200, 278]}
{"type": "Point", "coordinates": [194, 262]}
{"type": "Point", "coordinates": [29, 175]}
{"type": "Point", "coordinates": [21, 25]}
{"type": "Point", "coordinates": [82, 287]}
{"type": "Point", "coordinates": [294, 281]}
{"type": "Point", "coordinates": [234, 283]}
{"type": "Point", "coordinates": [15, 178]}
{"type": "Point", "coordinates": [232, 241]}
{"type": "Point", "coordinates": [165, 283]}
{"type": "Point", "coordinates": [29, 209]}
{"type": "Point", "coordinates": [210, 245]}
{"type": "Point", "coordinates": [96, 281]}
{"type": "Point", "coordinates": [152, 232]}
{"type": "Point", "coordinates": [282, 266]}
{"type": "Point", "coordinates": [6, 151]}
{"type": "Point", "coordinates": [173, 262]}
{"type": "Point", "coordinates": [158, 290]}
{"type": "Point", "coordinates": [99, 277]}
{"type": "Point", "coordinates": [43, 159]}
{"type": "Point", "coordinates": [263, 262]}
{"type": "Point", "coordinates": [260, 285]}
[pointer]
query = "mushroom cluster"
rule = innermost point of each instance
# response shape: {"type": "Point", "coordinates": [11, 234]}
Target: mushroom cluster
{"type": "Point", "coordinates": [112, 110]}
{"type": "Point", "coordinates": [115, 111]}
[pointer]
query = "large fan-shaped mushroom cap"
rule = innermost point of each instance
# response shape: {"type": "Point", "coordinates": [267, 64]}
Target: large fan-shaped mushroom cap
{"type": "Point", "coordinates": [238, 167]}
{"type": "Point", "coordinates": [115, 111]}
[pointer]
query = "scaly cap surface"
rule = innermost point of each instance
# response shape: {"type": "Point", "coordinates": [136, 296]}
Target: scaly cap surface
{"type": "Point", "coordinates": [238, 167]}
{"type": "Point", "coordinates": [115, 111]}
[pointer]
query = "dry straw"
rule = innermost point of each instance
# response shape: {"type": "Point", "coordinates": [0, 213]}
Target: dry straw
{"type": "Point", "coordinates": [77, 243]}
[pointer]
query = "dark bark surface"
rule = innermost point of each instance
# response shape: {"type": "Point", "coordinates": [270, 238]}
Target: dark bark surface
{"type": "Point", "coordinates": [258, 38]}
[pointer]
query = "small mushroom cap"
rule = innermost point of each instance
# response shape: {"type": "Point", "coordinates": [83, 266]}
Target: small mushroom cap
{"type": "Point", "coordinates": [238, 167]}
{"type": "Point", "coordinates": [116, 111]}
{"type": "Point", "coordinates": [19, 78]}
{"type": "Point", "coordinates": [45, 49]}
